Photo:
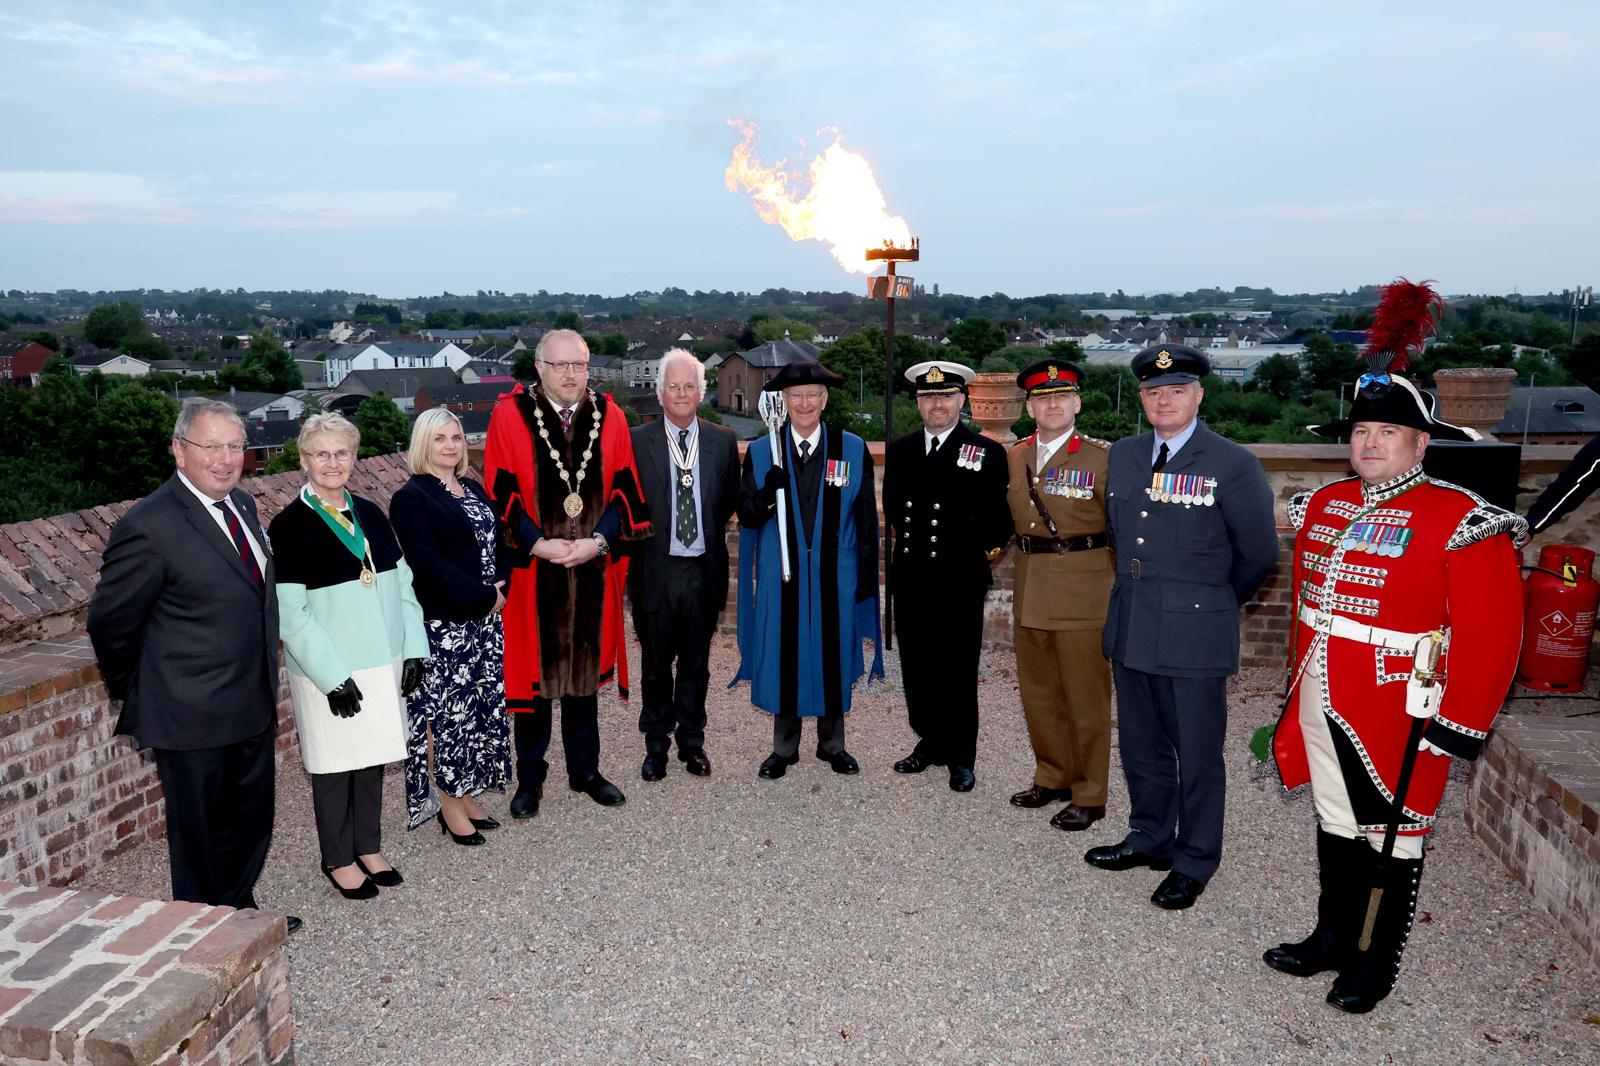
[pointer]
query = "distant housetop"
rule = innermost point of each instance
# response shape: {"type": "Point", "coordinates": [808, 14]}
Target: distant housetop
{"type": "Point", "coordinates": [780, 353]}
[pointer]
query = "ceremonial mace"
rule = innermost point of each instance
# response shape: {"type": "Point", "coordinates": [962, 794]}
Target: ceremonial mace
{"type": "Point", "coordinates": [772, 411]}
{"type": "Point", "coordinates": [887, 287]}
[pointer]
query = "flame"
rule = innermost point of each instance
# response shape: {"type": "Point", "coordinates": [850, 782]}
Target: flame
{"type": "Point", "coordinates": [842, 206]}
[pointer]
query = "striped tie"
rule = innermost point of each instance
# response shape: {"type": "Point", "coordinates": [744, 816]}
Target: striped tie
{"type": "Point", "coordinates": [236, 530]}
{"type": "Point", "coordinates": [688, 522]}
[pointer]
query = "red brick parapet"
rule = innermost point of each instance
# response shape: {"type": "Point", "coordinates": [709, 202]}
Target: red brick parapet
{"type": "Point", "coordinates": [91, 978]}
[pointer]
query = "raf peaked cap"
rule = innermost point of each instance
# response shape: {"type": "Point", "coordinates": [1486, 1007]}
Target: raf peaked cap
{"type": "Point", "coordinates": [1050, 375]}
{"type": "Point", "coordinates": [807, 372]}
{"type": "Point", "coordinates": [939, 377]}
{"type": "Point", "coordinates": [1170, 364]}
{"type": "Point", "coordinates": [1392, 399]}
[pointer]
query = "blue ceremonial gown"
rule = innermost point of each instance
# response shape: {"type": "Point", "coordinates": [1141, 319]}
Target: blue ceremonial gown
{"type": "Point", "coordinates": [800, 641]}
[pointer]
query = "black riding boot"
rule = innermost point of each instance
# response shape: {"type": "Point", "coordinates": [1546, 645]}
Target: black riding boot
{"type": "Point", "coordinates": [1340, 907]}
{"type": "Point", "coordinates": [1371, 976]}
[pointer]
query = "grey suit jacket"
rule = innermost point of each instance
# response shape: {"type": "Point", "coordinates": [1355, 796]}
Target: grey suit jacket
{"type": "Point", "coordinates": [184, 637]}
{"type": "Point", "coordinates": [1183, 571]}
{"type": "Point", "coordinates": [717, 496]}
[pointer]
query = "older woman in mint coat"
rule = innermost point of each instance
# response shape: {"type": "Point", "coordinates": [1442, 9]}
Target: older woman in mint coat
{"type": "Point", "coordinates": [353, 630]}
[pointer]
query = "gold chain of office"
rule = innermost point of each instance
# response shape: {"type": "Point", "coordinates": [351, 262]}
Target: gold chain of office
{"type": "Point", "coordinates": [573, 504]}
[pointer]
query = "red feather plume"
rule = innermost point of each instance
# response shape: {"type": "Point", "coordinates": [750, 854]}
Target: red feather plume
{"type": "Point", "coordinates": [1404, 319]}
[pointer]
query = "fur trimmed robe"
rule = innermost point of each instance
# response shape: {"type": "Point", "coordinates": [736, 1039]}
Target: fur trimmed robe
{"type": "Point", "coordinates": [563, 626]}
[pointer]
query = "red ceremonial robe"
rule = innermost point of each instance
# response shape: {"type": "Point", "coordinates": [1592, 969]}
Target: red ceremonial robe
{"type": "Point", "coordinates": [563, 626]}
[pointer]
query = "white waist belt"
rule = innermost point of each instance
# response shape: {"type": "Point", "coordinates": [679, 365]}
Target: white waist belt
{"type": "Point", "coordinates": [1348, 628]}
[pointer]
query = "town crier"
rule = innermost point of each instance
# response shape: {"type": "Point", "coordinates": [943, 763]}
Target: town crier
{"type": "Point", "coordinates": [1409, 605]}
{"type": "Point", "coordinates": [559, 463]}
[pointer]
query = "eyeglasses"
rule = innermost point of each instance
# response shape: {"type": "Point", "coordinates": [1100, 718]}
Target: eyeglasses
{"type": "Point", "coordinates": [214, 451]}
{"type": "Point", "coordinates": [343, 455]}
{"type": "Point", "coordinates": [568, 368]}
{"type": "Point", "coordinates": [681, 388]}
{"type": "Point", "coordinates": [808, 396]}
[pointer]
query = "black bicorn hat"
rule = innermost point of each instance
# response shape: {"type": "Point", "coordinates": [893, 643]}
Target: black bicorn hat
{"type": "Point", "coordinates": [1170, 364]}
{"type": "Point", "coordinates": [805, 372]}
{"type": "Point", "coordinates": [939, 377]}
{"type": "Point", "coordinates": [1050, 375]}
{"type": "Point", "coordinates": [1390, 398]}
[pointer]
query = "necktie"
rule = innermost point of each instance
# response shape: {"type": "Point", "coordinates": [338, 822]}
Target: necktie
{"type": "Point", "coordinates": [236, 531]}
{"type": "Point", "coordinates": [1161, 459]}
{"type": "Point", "coordinates": [1044, 456]}
{"type": "Point", "coordinates": [688, 523]}
{"type": "Point", "coordinates": [566, 419]}
{"type": "Point", "coordinates": [805, 450]}
{"type": "Point", "coordinates": [933, 445]}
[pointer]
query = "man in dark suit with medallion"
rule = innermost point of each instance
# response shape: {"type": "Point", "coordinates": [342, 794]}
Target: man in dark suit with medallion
{"type": "Point", "coordinates": [944, 497]}
{"type": "Point", "coordinates": [184, 623]}
{"type": "Point", "coordinates": [678, 579]}
{"type": "Point", "coordinates": [1191, 521]}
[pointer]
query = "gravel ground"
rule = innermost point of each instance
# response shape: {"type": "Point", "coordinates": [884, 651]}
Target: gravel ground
{"type": "Point", "coordinates": [881, 918]}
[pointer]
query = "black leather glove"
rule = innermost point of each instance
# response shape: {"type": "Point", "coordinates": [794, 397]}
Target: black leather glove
{"type": "Point", "coordinates": [777, 478]}
{"type": "Point", "coordinates": [345, 700]}
{"type": "Point", "coordinates": [411, 676]}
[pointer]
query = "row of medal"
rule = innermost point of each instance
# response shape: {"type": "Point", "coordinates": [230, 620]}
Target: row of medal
{"type": "Point", "coordinates": [836, 473]}
{"type": "Point", "coordinates": [971, 457]}
{"type": "Point", "coordinates": [1074, 484]}
{"type": "Point", "coordinates": [1187, 489]}
{"type": "Point", "coordinates": [1375, 538]}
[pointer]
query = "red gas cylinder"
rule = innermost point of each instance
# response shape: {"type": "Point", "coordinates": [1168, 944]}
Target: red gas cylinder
{"type": "Point", "coordinates": [1559, 623]}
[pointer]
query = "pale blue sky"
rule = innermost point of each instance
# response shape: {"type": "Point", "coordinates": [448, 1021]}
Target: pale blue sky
{"type": "Point", "coordinates": [407, 148]}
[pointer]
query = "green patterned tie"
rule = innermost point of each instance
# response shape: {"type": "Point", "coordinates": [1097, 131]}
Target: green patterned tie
{"type": "Point", "coordinates": [688, 525]}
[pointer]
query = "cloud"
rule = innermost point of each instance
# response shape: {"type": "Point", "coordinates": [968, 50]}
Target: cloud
{"type": "Point", "coordinates": [77, 197]}
{"type": "Point", "coordinates": [350, 208]}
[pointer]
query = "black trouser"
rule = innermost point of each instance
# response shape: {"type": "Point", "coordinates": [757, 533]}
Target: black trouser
{"type": "Point", "coordinates": [941, 635]}
{"type": "Point", "coordinates": [580, 739]}
{"type": "Point", "coordinates": [786, 734]}
{"type": "Point", "coordinates": [219, 808]}
{"type": "Point", "coordinates": [676, 632]}
{"type": "Point", "coordinates": [349, 810]}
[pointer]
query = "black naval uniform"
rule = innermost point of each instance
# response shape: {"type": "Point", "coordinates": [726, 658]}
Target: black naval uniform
{"type": "Point", "coordinates": [947, 511]}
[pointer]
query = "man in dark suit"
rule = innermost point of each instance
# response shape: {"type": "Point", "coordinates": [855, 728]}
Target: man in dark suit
{"type": "Point", "coordinates": [678, 579]}
{"type": "Point", "coordinates": [1191, 521]}
{"type": "Point", "coordinates": [944, 497]}
{"type": "Point", "coordinates": [185, 625]}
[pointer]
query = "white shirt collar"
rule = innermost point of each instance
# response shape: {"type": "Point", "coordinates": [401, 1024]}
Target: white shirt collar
{"type": "Point", "coordinates": [203, 498]}
{"type": "Point", "coordinates": [1049, 448]}
{"type": "Point", "coordinates": [673, 431]}
{"type": "Point", "coordinates": [814, 439]}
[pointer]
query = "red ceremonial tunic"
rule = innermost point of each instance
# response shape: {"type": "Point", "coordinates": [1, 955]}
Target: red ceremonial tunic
{"type": "Point", "coordinates": [574, 622]}
{"type": "Point", "coordinates": [1408, 556]}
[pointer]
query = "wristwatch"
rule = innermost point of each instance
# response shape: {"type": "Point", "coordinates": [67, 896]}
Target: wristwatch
{"type": "Point", "coordinates": [601, 543]}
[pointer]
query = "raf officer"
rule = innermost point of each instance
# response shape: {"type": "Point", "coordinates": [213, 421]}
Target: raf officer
{"type": "Point", "coordinates": [944, 492]}
{"type": "Point", "coordinates": [1191, 521]}
{"type": "Point", "coordinates": [1064, 571]}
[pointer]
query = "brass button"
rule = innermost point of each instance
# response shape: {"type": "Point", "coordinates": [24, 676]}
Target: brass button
{"type": "Point", "coordinates": [1144, 514]}
{"type": "Point", "coordinates": [1032, 525]}
{"type": "Point", "coordinates": [1138, 540]}
{"type": "Point", "coordinates": [935, 507]}
{"type": "Point", "coordinates": [1035, 481]}
{"type": "Point", "coordinates": [934, 522]}
{"type": "Point", "coordinates": [933, 539]}
{"type": "Point", "coordinates": [908, 503]}
{"type": "Point", "coordinates": [933, 555]}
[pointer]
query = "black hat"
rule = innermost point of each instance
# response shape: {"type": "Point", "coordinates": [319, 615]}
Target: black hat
{"type": "Point", "coordinates": [1392, 399]}
{"type": "Point", "coordinates": [1050, 375]}
{"type": "Point", "coordinates": [1170, 364]}
{"type": "Point", "coordinates": [807, 372]}
{"type": "Point", "coordinates": [939, 377]}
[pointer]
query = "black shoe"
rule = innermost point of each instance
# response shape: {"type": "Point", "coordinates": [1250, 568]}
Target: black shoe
{"type": "Point", "coordinates": [962, 779]}
{"type": "Point", "coordinates": [365, 890]}
{"type": "Point", "coordinates": [1177, 892]}
{"type": "Point", "coordinates": [293, 923]}
{"type": "Point", "coordinates": [485, 822]}
{"type": "Point", "coordinates": [841, 761]}
{"type": "Point", "coordinates": [696, 762]}
{"type": "Point", "coordinates": [525, 804]}
{"type": "Point", "coordinates": [599, 789]}
{"type": "Point", "coordinates": [776, 765]}
{"type": "Point", "coordinates": [912, 764]}
{"type": "Point", "coordinates": [655, 766]}
{"type": "Point", "coordinates": [389, 878]}
{"type": "Point", "coordinates": [1123, 856]}
{"type": "Point", "coordinates": [469, 840]}
{"type": "Point", "coordinates": [1075, 819]}
{"type": "Point", "coordinates": [1037, 796]}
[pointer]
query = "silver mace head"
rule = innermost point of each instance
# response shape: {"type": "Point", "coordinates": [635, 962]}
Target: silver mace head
{"type": "Point", "coordinates": [772, 410]}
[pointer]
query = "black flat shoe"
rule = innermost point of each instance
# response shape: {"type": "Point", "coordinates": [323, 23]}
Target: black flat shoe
{"type": "Point", "coordinates": [695, 762]}
{"type": "Point", "coordinates": [365, 890]}
{"type": "Point", "coordinates": [1177, 892]}
{"type": "Point", "coordinates": [1123, 856]}
{"type": "Point", "coordinates": [962, 779]}
{"type": "Point", "coordinates": [654, 767]}
{"type": "Point", "coordinates": [775, 765]}
{"type": "Point", "coordinates": [841, 761]}
{"type": "Point", "coordinates": [293, 922]}
{"type": "Point", "coordinates": [485, 822]}
{"type": "Point", "coordinates": [470, 840]}
{"type": "Point", "coordinates": [389, 878]}
{"type": "Point", "coordinates": [525, 804]}
{"type": "Point", "coordinates": [600, 790]}
{"type": "Point", "coordinates": [912, 764]}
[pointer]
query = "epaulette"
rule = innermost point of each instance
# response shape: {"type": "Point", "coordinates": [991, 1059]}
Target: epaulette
{"type": "Point", "coordinates": [1298, 503]}
{"type": "Point", "coordinates": [1483, 521]}
{"type": "Point", "coordinates": [1105, 445]}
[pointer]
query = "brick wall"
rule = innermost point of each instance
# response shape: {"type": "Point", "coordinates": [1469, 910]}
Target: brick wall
{"type": "Point", "coordinates": [96, 979]}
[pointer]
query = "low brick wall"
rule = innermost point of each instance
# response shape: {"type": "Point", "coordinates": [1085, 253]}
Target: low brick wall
{"type": "Point", "coordinates": [95, 979]}
{"type": "Point", "coordinates": [1534, 800]}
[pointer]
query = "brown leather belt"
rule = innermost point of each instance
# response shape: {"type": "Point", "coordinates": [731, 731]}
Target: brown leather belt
{"type": "Point", "coordinates": [1029, 545]}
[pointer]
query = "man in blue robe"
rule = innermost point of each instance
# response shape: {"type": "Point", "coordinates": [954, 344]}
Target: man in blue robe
{"type": "Point", "coordinates": [800, 640]}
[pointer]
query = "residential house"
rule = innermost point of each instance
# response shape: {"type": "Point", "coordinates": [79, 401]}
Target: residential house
{"type": "Point", "coordinates": [741, 375]}
{"type": "Point", "coordinates": [1551, 415]}
{"type": "Point", "coordinates": [462, 397]}
{"type": "Point", "coordinates": [185, 367]}
{"type": "Point", "coordinates": [22, 361]}
{"type": "Point", "coordinates": [401, 385]}
{"type": "Point", "coordinates": [110, 362]}
{"type": "Point", "coordinates": [263, 440]}
{"type": "Point", "coordinates": [395, 355]}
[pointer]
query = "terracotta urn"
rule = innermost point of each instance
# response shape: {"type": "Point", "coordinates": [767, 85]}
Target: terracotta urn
{"type": "Point", "coordinates": [996, 403]}
{"type": "Point", "coordinates": [1474, 396]}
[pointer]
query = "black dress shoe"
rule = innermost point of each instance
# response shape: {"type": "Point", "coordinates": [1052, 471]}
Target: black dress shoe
{"type": "Point", "coordinates": [1123, 856]}
{"type": "Point", "coordinates": [600, 790]}
{"type": "Point", "coordinates": [293, 922]}
{"type": "Point", "coordinates": [466, 840]}
{"type": "Point", "coordinates": [485, 822]}
{"type": "Point", "coordinates": [525, 804]}
{"type": "Point", "coordinates": [1075, 819]}
{"type": "Point", "coordinates": [1037, 796]}
{"type": "Point", "coordinates": [841, 761]}
{"type": "Point", "coordinates": [962, 779]}
{"type": "Point", "coordinates": [389, 878]}
{"type": "Point", "coordinates": [695, 762]}
{"type": "Point", "coordinates": [655, 766]}
{"type": "Point", "coordinates": [912, 764]}
{"type": "Point", "coordinates": [1177, 892]}
{"type": "Point", "coordinates": [365, 890]}
{"type": "Point", "coordinates": [776, 766]}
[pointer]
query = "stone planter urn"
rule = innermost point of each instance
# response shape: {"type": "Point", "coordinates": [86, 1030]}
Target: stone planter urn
{"type": "Point", "coordinates": [996, 403]}
{"type": "Point", "coordinates": [1474, 396]}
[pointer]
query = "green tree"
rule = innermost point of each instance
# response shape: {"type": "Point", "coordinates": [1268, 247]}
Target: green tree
{"type": "Point", "coordinates": [110, 325]}
{"type": "Point", "coordinates": [773, 329]}
{"type": "Point", "coordinates": [286, 461]}
{"type": "Point", "coordinates": [1279, 376]}
{"type": "Point", "coordinates": [976, 337]}
{"type": "Point", "coordinates": [133, 441]}
{"type": "Point", "coordinates": [567, 320]}
{"type": "Point", "coordinates": [1329, 366]}
{"type": "Point", "coordinates": [384, 427]}
{"type": "Point", "coordinates": [524, 367]}
{"type": "Point", "coordinates": [44, 337]}
{"type": "Point", "coordinates": [146, 347]}
{"type": "Point", "coordinates": [1582, 361]}
{"type": "Point", "coordinates": [442, 320]}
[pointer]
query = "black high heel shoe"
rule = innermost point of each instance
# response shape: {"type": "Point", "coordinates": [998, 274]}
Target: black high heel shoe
{"type": "Point", "coordinates": [471, 840]}
{"type": "Point", "coordinates": [485, 822]}
{"type": "Point", "coordinates": [365, 890]}
{"type": "Point", "coordinates": [389, 878]}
